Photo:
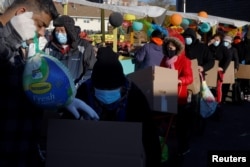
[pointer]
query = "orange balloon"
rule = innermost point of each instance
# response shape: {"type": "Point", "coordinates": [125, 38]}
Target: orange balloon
{"type": "Point", "coordinates": [176, 19]}
{"type": "Point", "coordinates": [203, 14]}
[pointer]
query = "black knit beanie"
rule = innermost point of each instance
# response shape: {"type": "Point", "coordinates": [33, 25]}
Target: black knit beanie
{"type": "Point", "coordinates": [107, 72]}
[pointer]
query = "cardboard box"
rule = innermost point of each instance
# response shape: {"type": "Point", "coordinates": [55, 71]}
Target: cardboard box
{"type": "Point", "coordinates": [195, 86]}
{"type": "Point", "coordinates": [212, 75]}
{"type": "Point", "coordinates": [160, 86]}
{"type": "Point", "coordinates": [229, 75]}
{"type": "Point", "coordinates": [79, 143]}
{"type": "Point", "coordinates": [243, 72]}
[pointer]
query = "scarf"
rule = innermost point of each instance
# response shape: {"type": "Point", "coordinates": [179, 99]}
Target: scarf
{"type": "Point", "coordinates": [170, 62]}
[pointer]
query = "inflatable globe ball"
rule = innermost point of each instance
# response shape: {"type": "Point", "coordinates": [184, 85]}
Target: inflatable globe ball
{"type": "Point", "coordinates": [203, 14]}
{"type": "Point", "coordinates": [137, 26]}
{"type": "Point", "coordinates": [115, 19]}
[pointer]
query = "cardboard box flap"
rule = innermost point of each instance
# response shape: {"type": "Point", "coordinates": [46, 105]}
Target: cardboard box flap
{"type": "Point", "coordinates": [195, 86]}
{"type": "Point", "coordinates": [100, 137]}
{"type": "Point", "coordinates": [243, 72]}
{"type": "Point", "coordinates": [229, 75]}
{"type": "Point", "coordinates": [159, 85]}
{"type": "Point", "coordinates": [212, 75]}
{"type": "Point", "coordinates": [81, 143]}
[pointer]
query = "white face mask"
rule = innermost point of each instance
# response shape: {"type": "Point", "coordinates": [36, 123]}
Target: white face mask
{"type": "Point", "coordinates": [216, 43]}
{"type": "Point", "coordinates": [188, 41]}
{"type": "Point", "coordinates": [42, 42]}
{"type": "Point", "coordinates": [226, 44]}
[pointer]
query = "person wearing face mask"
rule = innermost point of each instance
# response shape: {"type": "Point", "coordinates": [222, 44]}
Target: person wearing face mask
{"type": "Point", "coordinates": [115, 98]}
{"type": "Point", "coordinates": [222, 54]}
{"type": "Point", "coordinates": [175, 58]}
{"type": "Point", "coordinates": [196, 50]}
{"type": "Point", "coordinates": [20, 122]}
{"type": "Point", "coordinates": [75, 53]}
{"type": "Point", "coordinates": [227, 42]}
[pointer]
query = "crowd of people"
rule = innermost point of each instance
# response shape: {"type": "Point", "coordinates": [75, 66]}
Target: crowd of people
{"type": "Point", "coordinates": [103, 92]}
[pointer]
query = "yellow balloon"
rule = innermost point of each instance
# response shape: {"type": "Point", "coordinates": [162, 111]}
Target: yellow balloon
{"type": "Point", "coordinates": [129, 17]}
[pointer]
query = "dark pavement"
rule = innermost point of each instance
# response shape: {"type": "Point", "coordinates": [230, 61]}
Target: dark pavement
{"type": "Point", "coordinates": [230, 132]}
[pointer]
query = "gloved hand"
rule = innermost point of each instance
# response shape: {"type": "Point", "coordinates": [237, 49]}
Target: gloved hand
{"type": "Point", "coordinates": [24, 25]}
{"type": "Point", "coordinates": [78, 107]}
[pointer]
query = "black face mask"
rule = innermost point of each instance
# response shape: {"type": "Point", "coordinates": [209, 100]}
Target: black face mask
{"type": "Point", "coordinates": [171, 53]}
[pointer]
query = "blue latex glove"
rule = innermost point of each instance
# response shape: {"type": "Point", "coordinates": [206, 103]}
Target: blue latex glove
{"type": "Point", "coordinates": [78, 108]}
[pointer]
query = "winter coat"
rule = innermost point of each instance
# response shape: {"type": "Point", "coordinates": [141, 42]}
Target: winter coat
{"type": "Point", "coordinates": [199, 51]}
{"type": "Point", "coordinates": [133, 107]}
{"type": "Point", "coordinates": [20, 120]}
{"type": "Point", "coordinates": [222, 54]}
{"type": "Point", "coordinates": [183, 65]}
{"type": "Point", "coordinates": [149, 55]}
{"type": "Point", "coordinates": [235, 57]}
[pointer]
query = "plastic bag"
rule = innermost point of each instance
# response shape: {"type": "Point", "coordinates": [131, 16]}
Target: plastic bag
{"type": "Point", "coordinates": [164, 149]}
{"type": "Point", "coordinates": [208, 102]}
{"type": "Point", "coordinates": [46, 81]}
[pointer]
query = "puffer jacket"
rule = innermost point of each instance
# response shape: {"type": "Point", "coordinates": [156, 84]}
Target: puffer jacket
{"type": "Point", "coordinates": [149, 55]}
{"type": "Point", "coordinates": [182, 65]}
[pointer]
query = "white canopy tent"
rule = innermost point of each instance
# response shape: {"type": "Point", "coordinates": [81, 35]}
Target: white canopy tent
{"type": "Point", "coordinates": [212, 20]}
{"type": "Point", "coordinates": [155, 11]}
{"type": "Point", "coordinates": [139, 11]}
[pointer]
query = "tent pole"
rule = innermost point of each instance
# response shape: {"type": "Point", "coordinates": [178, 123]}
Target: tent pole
{"type": "Point", "coordinates": [184, 5]}
{"type": "Point", "coordinates": [103, 25]}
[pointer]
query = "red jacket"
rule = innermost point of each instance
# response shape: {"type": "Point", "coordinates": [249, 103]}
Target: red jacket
{"type": "Point", "coordinates": [183, 65]}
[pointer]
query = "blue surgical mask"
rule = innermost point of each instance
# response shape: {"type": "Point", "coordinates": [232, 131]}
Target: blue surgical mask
{"type": "Point", "coordinates": [226, 44]}
{"type": "Point", "coordinates": [216, 43]}
{"type": "Point", "coordinates": [61, 37]}
{"type": "Point", "coordinates": [108, 96]}
{"type": "Point", "coordinates": [188, 41]}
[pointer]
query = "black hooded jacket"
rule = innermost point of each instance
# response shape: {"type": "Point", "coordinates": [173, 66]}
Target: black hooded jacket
{"type": "Point", "coordinates": [198, 50]}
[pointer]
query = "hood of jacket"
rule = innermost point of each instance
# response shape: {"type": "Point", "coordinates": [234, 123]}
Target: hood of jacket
{"type": "Point", "coordinates": [69, 24]}
{"type": "Point", "coordinates": [177, 40]}
{"type": "Point", "coordinates": [189, 32]}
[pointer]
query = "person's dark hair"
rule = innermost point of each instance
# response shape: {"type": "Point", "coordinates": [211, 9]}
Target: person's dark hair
{"type": "Point", "coordinates": [47, 6]}
{"type": "Point", "coordinates": [218, 34]}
